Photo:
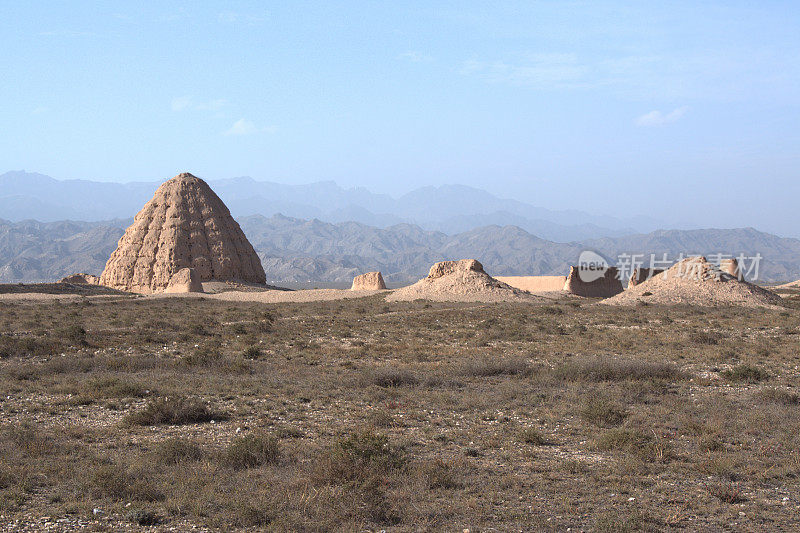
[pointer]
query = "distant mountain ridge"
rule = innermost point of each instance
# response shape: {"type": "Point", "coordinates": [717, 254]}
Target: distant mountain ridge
{"type": "Point", "coordinates": [47, 251]}
{"type": "Point", "coordinates": [450, 209]}
{"type": "Point", "coordinates": [303, 250]}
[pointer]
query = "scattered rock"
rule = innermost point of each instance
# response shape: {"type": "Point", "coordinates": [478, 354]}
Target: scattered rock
{"type": "Point", "coordinates": [143, 517]}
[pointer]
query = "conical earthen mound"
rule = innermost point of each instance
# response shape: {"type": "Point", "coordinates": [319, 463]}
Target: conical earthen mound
{"type": "Point", "coordinates": [695, 281]}
{"type": "Point", "coordinates": [185, 225]}
{"type": "Point", "coordinates": [459, 281]}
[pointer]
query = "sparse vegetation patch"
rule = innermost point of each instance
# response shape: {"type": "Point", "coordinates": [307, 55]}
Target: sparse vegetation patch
{"type": "Point", "coordinates": [368, 415]}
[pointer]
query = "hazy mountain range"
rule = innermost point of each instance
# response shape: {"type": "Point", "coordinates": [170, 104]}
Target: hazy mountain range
{"type": "Point", "coordinates": [450, 209]}
{"type": "Point", "coordinates": [298, 250]}
{"type": "Point", "coordinates": [325, 233]}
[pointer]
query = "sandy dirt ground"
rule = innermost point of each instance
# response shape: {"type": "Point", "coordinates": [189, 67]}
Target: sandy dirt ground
{"type": "Point", "coordinates": [43, 297]}
{"type": "Point", "coordinates": [275, 296]}
{"type": "Point", "coordinates": [288, 296]}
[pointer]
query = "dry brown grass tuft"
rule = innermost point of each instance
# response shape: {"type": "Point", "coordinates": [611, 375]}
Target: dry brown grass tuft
{"type": "Point", "coordinates": [778, 396]}
{"type": "Point", "coordinates": [603, 412]}
{"type": "Point", "coordinates": [389, 376]}
{"type": "Point", "coordinates": [174, 411]}
{"type": "Point", "coordinates": [251, 451]}
{"type": "Point", "coordinates": [506, 366]}
{"type": "Point", "coordinates": [745, 374]}
{"type": "Point", "coordinates": [176, 450]}
{"type": "Point", "coordinates": [599, 369]}
{"type": "Point", "coordinates": [726, 492]}
{"type": "Point", "coordinates": [364, 415]}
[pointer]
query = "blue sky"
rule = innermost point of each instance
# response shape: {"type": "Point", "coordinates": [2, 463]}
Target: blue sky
{"type": "Point", "coordinates": [685, 111]}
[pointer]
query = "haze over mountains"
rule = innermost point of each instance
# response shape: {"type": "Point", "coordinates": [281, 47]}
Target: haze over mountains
{"type": "Point", "coordinates": [450, 209]}
{"type": "Point", "coordinates": [323, 233]}
{"type": "Point", "coordinates": [297, 250]}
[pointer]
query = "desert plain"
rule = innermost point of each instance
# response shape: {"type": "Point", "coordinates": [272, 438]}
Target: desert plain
{"type": "Point", "coordinates": [174, 412]}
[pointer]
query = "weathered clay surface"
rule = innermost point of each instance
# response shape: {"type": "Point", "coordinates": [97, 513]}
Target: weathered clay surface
{"type": "Point", "coordinates": [695, 281]}
{"type": "Point", "coordinates": [444, 268]}
{"type": "Point", "coordinates": [604, 287]}
{"type": "Point", "coordinates": [81, 279]}
{"type": "Point", "coordinates": [459, 281]}
{"type": "Point", "coordinates": [731, 266]}
{"type": "Point", "coordinates": [371, 281]}
{"type": "Point", "coordinates": [185, 225]}
{"type": "Point", "coordinates": [184, 280]}
{"type": "Point", "coordinates": [642, 274]}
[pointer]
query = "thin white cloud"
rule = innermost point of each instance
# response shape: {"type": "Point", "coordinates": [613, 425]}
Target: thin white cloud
{"type": "Point", "coordinates": [538, 70]}
{"type": "Point", "coordinates": [233, 17]}
{"type": "Point", "coordinates": [183, 103]}
{"type": "Point", "coordinates": [65, 33]}
{"type": "Point", "coordinates": [415, 57]}
{"type": "Point", "coordinates": [657, 118]}
{"type": "Point", "coordinates": [212, 105]}
{"type": "Point", "coordinates": [245, 127]}
{"type": "Point", "coordinates": [731, 74]}
{"type": "Point", "coordinates": [40, 110]}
